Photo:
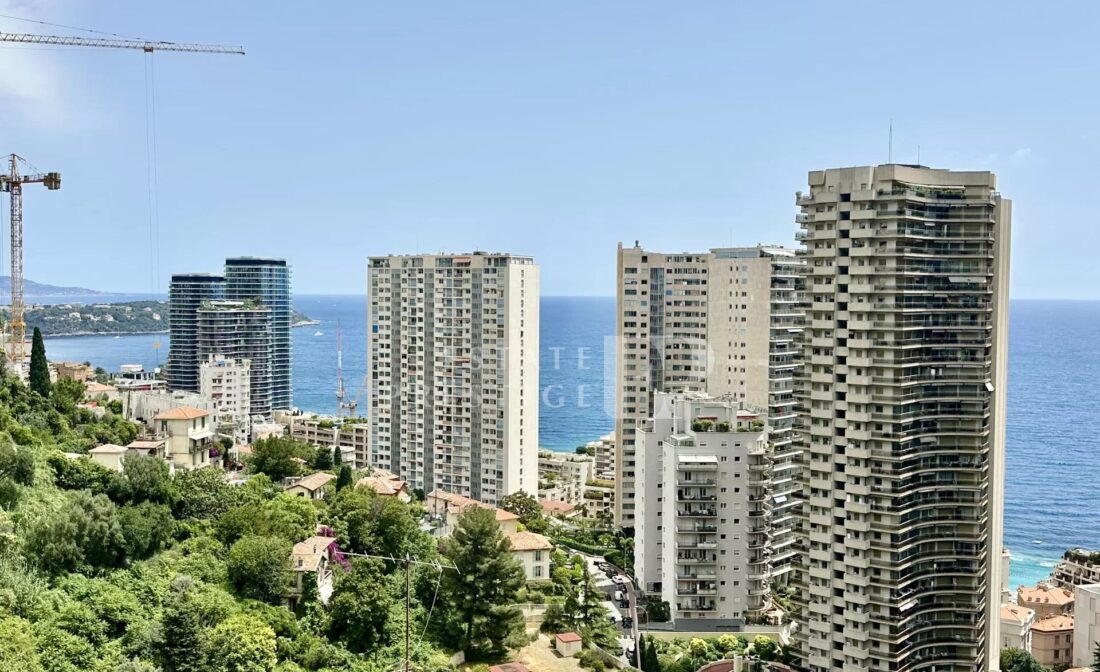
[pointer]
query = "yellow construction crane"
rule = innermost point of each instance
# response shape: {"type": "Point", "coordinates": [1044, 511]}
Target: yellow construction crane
{"type": "Point", "coordinates": [13, 182]}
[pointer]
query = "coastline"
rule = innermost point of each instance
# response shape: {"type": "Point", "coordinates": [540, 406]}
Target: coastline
{"type": "Point", "coordinates": [74, 334]}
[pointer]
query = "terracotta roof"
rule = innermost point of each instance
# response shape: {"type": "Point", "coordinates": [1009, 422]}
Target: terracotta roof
{"type": "Point", "coordinates": [509, 667]}
{"type": "Point", "coordinates": [1043, 594]}
{"type": "Point", "coordinates": [307, 555]}
{"type": "Point", "coordinates": [313, 482]}
{"type": "Point", "coordinates": [97, 388]}
{"type": "Point", "coordinates": [145, 444]}
{"type": "Point", "coordinates": [528, 541]}
{"type": "Point", "coordinates": [553, 506]}
{"type": "Point", "coordinates": [1054, 623]}
{"type": "Point", "coordinates": [567, 637]}
{"type": "Point", "coordinates": [182, 413]}
{"type": "Point", "coordinates": [107, 449]}
{"type": "Point", "coordinates": [386, 487]}
{"type": "Point", "coordinates": [460, 503]}
{"type": "Point", "coordinates": [1016, 614]}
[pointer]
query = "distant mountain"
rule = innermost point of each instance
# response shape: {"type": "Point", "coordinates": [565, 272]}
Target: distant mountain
{"type": "Point", "coordinates": [32, 288]}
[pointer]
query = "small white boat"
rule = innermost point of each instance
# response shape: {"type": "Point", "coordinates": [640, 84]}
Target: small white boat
{"type": "Point", "coordinates": [319, 333]}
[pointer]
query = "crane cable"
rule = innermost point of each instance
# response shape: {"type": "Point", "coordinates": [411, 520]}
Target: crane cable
{"type": "Point", "coordinates": [61, 25]}
{"type": "Point", "coordinates": [152, 177]}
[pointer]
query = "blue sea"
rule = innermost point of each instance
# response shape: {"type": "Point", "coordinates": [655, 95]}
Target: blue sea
{"type": "Point", "coordinates": [1053, 404]}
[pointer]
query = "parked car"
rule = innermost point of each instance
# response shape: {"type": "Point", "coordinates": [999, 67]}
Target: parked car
{"type": "Point", "coordinates": [619, 596]}
{"type": "Point", "coordinates": [618, 578]}
{"type": "Point", "coordinates": [628, 622]}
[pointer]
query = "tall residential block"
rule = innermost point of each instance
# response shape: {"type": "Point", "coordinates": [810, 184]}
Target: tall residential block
{"type": "Point", "coordinates": [454, 368]}
{"type": "Point", "coordinates": [267, 281]}
{"type": "Point", "coordinates": [703, 535]}
{"type": "Point", "coordinates": [901, 415]}
{"type": "Point", "coordinates": [228, 383]}
{"type": "Point", "coordinates": [186, 292]}
{"type": "Point", "coordinates": [724, 322]}
{"type": "Point", "coordinates": [241, 330]}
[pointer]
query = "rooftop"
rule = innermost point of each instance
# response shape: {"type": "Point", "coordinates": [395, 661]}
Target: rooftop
{"type": "Point", "coordinates": [182, 413]}
{"type": "Point", "coordinates": [1054, 623]}
{"type": "Point", "coordinates": [307, 555]}
{"type": "Point", "coordinates": [553, 506]}
{"type": "Point", "coordinates": [1043, 594]}
{"type": "Point", "coordinates": [567, 637]}
{"type": "Point", "coordinates": [107, 449]}
{"type": "Point", "coordinates": [459, 503]}
{"type": "Point", "coordinates": [1016, 614]}
{"type": "Point", "coordinates": [314, 482]}
{"type": "Point", "coordinates": [381, 485]}
{"type": "Point", "coordinates": [528, 541]}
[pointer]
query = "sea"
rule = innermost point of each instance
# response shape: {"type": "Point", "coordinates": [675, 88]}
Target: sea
{"type": "Point", "coordinates": [1053, 418]}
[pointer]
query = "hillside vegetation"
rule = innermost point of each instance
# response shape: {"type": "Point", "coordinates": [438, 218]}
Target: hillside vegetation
{"type": "Point", "coordinates": [143, 571]}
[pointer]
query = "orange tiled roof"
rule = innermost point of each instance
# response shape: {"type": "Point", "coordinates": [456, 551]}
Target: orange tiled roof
{"type": "Point", "coordinates": [314, 481]}
{"type": "Point", "coordinates": [528, 541]}
{"type": "Point", "coordinates": [460, 503]}
{"type": "Point", "coordinates": [307, 555]}
{"type": "Point", "coordinates": [1012, 612]}
{"type": "Point", "coordinates": [1054, 623]}
{"type": "Point", "coordinates": [1042, 594]}
{"type": "Point", "coordinates": [182, 413]}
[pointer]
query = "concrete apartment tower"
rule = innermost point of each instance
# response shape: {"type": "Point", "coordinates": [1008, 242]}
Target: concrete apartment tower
{"type": "Point", "coordinates": [186, 292]}
{"type": "Point", "coordinates": [703, 533]}
{"type": "Point", "coordinates": [241, 330]}
{"type": "Point", "coordinates": [901, 415]}
{"type": "Point", "coordinates": [724, 322]}
{"type": "Point", "coordinates": [267, 281]}
{"type": "Point", "coordinates": [454, 362]}
{"type": "Point", "coordinates": [228, 383]}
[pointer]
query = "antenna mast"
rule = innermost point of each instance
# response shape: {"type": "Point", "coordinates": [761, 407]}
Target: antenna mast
{"type": "Point", "coordinates": [340, 391]}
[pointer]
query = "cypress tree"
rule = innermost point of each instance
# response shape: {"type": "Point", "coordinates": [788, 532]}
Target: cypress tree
{"type": "Point", "coordinates": [40, 369]}
{"type": "Point", "coordinates": [343, 479]}
{"type": "Point", "coordinates": [337, 456]}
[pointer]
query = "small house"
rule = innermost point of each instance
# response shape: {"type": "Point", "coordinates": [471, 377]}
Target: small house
{"type": "Point", "coordinates": [312, 486]}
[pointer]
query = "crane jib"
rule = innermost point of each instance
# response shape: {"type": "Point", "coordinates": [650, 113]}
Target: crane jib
{"type": "Point", "coordinates": [144, 45]}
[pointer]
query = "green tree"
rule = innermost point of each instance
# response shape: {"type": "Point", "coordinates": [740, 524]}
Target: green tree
{"type": "Point", "coordinates": [84, 529]}
{"type": "Point", "coordinates": [337, 457]}
{"type": "Point", "coordinates": [360, 606]}
{"type": "Point", "coordinates": [278, 456]}
{"type": "Point", "coordinates": [343, 479]}
{"type": "Point", "coordinates": [487, 582]}
{"type": "Point", "coordinates": [323, 460]}
{"type": "Point", "coordinates": [147, 479]}
{"type": "Point", "coordinates": [179, 641]}
{"type": "Point", "coordinates": [242, 643]}
{"type": "Point", "coordinates": [147, 528]}
{"type": "Point", "coordinates": [202, 493]}
{"type": "Point", "coordinates": [368, 523]}
{"type": "Point", "coordinates": [1095, 656]}
{"type": "Point", "coordinates": [83, 474]}
{"type": "Point", "coordinates": [18, 647]}
{"type": "Point", "coordinates": [528, 509]}
{"type": "Point", "coordinates": [39, 376]}
{"type": "Point", "coordinates": [652, 662]}
{"type": "Point", "coordinates": [1018, 660]}
{"type": "Point", "coordinates": [259, 568]}
{"type": "Point", "coordinates": [16, 464]}
{"type": "Point", "coordinates": [765, 648]}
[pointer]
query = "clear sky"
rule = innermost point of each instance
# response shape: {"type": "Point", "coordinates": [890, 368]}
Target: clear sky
{"type": "Point", "coordinates": [555, 129]}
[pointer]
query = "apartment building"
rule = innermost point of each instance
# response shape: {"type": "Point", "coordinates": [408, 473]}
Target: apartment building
{"type": "Point", "coordinates": [901, 416]}
{"type": "Point", "coordinates": [725, 322]}
{"type": "Point", "coordinates": [228, 383]}
{"type": "Point", "coordinates": [1086, 623]}
{"type": "Point", "coordinates": [1077, 568]}
{"type": "Point", "coordinates": [563, 476]}
{"type": "Point", "coordinates": [704, 510]}
{"type": "Point", "coordinates": [267, 282]}
{"type": "Point", "coordinates": [240, 330]}
{"type": "Point", "coordinates": [1016, 622]}
{"type": "Point", "coordinates": [454, 362]}
{"type": "Point", "coordinates": [351, 436]}
{"type": "Point", "coordinates": [186, 292]}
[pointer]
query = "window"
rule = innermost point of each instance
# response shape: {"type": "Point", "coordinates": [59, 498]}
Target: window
{"type": "Point", "coordinates": [538, 556]}
{"type": "Point", "coordinates": [538, 568]}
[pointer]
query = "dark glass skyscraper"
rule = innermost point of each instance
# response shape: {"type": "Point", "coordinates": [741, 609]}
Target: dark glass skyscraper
{"type": "Point", "coordinates": [267, 281]}
{"type": "Point", "coordinates": [186, 293]}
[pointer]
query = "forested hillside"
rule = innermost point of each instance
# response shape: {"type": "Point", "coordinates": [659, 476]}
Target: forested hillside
{"type": "Point", "coordinates": [141, 571]}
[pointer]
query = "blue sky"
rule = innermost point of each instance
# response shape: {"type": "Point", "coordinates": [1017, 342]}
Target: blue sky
{"type": "Point", "coordinates": [555, 129]}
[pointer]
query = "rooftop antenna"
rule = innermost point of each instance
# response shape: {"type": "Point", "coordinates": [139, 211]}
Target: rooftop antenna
{"type": "Point", "coordinates": [918, 155]}
{"type": "Point", "coordinates": [890, 149]}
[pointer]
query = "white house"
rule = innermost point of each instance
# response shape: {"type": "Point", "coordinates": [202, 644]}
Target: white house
{"type": "Point", "coordinates": [533, 552]}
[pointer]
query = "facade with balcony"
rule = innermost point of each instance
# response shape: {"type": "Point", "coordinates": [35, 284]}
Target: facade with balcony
{"type": "Point", "coordinates": [704, 533]}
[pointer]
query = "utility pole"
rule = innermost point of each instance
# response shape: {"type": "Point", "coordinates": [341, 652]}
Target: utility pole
{"type": "Point", "coordinates": [408, 600]}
